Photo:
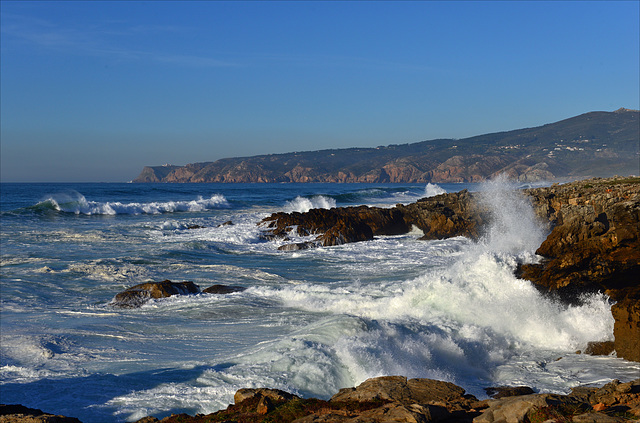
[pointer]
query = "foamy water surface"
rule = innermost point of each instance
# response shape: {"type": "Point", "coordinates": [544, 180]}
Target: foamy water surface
{"type": "Point", "coordinates": [310, 322]}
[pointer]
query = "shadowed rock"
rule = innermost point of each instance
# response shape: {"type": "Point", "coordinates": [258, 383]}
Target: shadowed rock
{"type": "Point", "coordinates": [223, 289]}
{"type": "Point", "coordinates": [140, 294]}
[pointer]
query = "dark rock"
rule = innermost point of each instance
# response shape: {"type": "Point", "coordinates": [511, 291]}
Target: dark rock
{"type": "Point", "coordinates": [337, 226]}
{"type": "Point", "coordinates": [446, 215]}
{"type": "Point", "coordinates": [195, 227]}
{"type": "Point", "coordinates": [442, 216]}
{"type": "Point", "coordinates": [508, 391]}
{"type": "Point", "coordinates": [140, 294]}
{"type": "Point", "coordinates": [297, 246]}
{"type": "Point", "coordinates": [227, 223]}
{"type": "Point", "coordinates": [599, 348]}
{"type": "Point", "coordinates": [223, 289]}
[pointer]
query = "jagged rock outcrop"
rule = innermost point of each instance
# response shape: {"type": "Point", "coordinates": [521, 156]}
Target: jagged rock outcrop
{"type": "Point", "coordinates": [626, 329]}
{"type": "Point", "coordinates": [139, 294]}
{"type": "Point", "coordinates": [398, 399]}
{"type": "Point", "coordinates": [441, 216]}
{"type": "Point", "coordinates": [337, 226]}
{"type": "Point", "coordinates": [446, 215]}
{"type": "Point", "coordinates": [594, 244]}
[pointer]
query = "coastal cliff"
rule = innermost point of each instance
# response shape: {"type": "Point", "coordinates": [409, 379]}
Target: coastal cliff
{"type": "Point", "coordinates": [588, 145]}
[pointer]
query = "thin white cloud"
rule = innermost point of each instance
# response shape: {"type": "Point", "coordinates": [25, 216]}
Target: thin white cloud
{"type": "Point", "coordinates": [96, 41]}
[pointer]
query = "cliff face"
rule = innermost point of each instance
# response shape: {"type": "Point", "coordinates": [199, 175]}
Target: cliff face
{"type": "Point", "coordinates": [592, 144]}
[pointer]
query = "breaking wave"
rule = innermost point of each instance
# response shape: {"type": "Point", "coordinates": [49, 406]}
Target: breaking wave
{"type": "Point", "coordinates": [76, 203]}
{"type": "Point", "coordinates": [304, 204]}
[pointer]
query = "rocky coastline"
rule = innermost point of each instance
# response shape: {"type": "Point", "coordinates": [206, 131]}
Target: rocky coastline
{"type": "Point", "coordinates": [593, 245]}
{"type": "Point", "coordinates": [398, 399]}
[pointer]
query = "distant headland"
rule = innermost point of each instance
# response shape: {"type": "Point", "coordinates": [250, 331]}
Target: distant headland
{"type": "Point", "coordinates": [595, 144]}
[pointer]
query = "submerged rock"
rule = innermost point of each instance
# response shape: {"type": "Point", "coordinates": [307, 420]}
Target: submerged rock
{"type": "Point", "coordinates": [223, 289]}
{"type": "Point", "coordinates": [137, 295]}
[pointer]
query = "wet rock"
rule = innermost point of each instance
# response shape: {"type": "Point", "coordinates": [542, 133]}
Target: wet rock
{"type": "Point", "coordinates": [137, 295]}
{"type": "Point", "coordinates": [442, 216]}
{"type": "Point", "coordinates": [227, 223]}
{"type": "Point", "coordinates": [223, 289]}
{"type": "Point", "coordinates": [297, 246]}
{"type": "Point", "coordinates": [337, 226]}
{"type": "Point", "coordinates": [446, 215]}
{"type": "Point", "coordinates": [600, 348]}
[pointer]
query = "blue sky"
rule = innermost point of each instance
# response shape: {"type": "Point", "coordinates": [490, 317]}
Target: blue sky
{"type": "Point", "coordinates": [93, 91]}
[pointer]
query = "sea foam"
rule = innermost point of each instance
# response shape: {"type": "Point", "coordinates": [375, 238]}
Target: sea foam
{"type": "Point", "coordinates": [304, 204]}
{"type": "Point", "coordinates": [76, 203]}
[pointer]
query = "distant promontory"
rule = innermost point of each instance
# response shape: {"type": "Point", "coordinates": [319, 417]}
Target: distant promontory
{"type": "Point", "coordinates": [595, 144]}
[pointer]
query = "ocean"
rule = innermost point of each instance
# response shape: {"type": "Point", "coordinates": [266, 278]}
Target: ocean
{"type": "Point", "coordinates": [310, 322]}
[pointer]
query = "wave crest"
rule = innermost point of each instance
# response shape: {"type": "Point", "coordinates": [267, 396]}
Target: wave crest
{"type": "Point", "coordinates": [76, 203]}
{"type": "Point", "coordinates": [304, 204]}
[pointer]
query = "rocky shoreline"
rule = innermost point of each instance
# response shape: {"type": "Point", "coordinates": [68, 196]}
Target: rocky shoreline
{"type": "Point", "coordinates": [398, 399]}
{"type": "Point", "coordinates": [593, 245]}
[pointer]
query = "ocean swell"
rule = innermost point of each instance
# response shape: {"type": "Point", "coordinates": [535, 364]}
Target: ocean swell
{"type": "Point", "coordinates": [76, 203]}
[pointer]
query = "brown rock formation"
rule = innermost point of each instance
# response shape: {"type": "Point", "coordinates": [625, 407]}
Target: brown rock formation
{"type": "Point", "coordinates": [140, 294]}
{"type": "Point", "coordinates": [338, 225]}
{"type": "Point", "coordinates": [442, 216]}
{"type": "Point", "coordinates": [16, 413]}
{"type": "Point", "coordinates": [446, 215]}
{"type": "Point", "coordinates": [594, 246]}
{"type": "Point", "coordinates": [626, 329]}
{"type": "Point", "coordinates": [396, 399]}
